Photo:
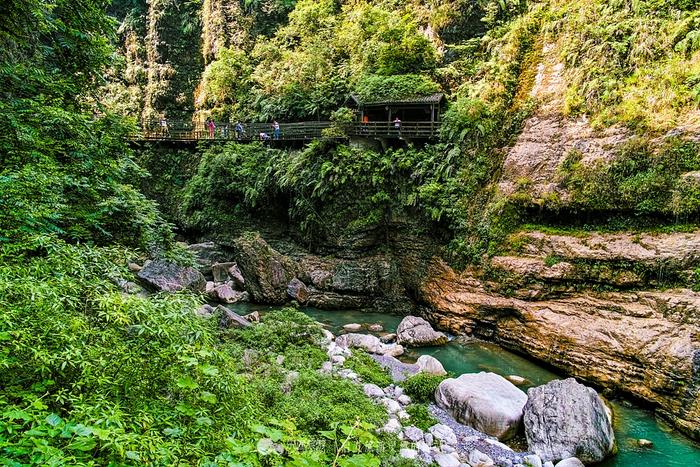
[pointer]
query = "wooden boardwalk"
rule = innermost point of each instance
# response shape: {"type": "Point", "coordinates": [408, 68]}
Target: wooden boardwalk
{"type": "Point", "coordinates": [300, 131]}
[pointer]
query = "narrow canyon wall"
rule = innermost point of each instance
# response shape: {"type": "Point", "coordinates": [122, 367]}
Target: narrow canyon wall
{"type": "Point", "coordinates": [628, 339]}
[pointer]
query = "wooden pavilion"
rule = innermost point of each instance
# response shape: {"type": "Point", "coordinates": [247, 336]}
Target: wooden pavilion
{"type": "Point", "coordinates": [416, 109]}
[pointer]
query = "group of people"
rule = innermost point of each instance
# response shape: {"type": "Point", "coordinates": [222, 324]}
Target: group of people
{"type": "Point", "coordinates": [240, 132]}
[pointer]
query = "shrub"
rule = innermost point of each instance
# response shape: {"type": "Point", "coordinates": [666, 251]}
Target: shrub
{"type": "Point", "coordinates": [420, 416]}
{"type": "Point", "coordinates": [421, 387]}
{"type": "Point", "coordinates": [369, 370]}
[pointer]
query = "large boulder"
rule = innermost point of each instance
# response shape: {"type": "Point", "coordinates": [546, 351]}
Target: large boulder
{"type": "Point", "coordinates": [415, 331]}
{"type": "Point", "coordinates": [267, 273]}
{"type": "Point", "coordinates": [485, 401]}
{"type": "Point", "coordinates": [566, 419]}
{"type": "Point", "coordinates": [229, 319]}
{"type": "Point", "coordinates": [359, 341]}
{"type": "Point", "coordinates": [297, 290]}
{"type": "Point", "coordinates": [430, 365]}
{"type": "Point", "coordinates": [169, 277]}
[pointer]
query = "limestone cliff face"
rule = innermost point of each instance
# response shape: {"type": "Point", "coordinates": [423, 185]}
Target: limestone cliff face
{"type": "Point", "coordinates": [174, 63]}
{"type": "Point", "coordinates": [645, 343]}
{"type": "Point", "coordinates": [223, 25]}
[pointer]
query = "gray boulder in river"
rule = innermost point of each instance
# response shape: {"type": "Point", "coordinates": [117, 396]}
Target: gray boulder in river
{"type": "Point", "coordinates": [485, 401]}
{"type": "Point", "coordinates": [170, 277]}
{"type": "Point", "coordinates": [415, 331]}
{"type": "Point", "coordinates": [566, 419]}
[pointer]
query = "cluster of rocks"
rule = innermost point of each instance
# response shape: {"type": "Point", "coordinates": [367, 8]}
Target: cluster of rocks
{"type": "Point", "coordinates": [439, 445]}
{"type": "Point", "coordinates": [562, 419]}
{"type": "Point", "coordinates": [228, 284]}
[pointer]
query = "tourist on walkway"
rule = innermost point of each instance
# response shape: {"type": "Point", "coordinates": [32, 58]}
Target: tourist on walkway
{"type": "Point", "coordinates": [224, 130]}
{"type": "Point", "coordinates": [164, 127]}
{"type": "Point", "coordinates": [276, 129]}
{"type": "Point", "coordinates": [211, 126]}
{"type": "Point", "coordinates": [397, 125]}
{"type": "Point", "coordinates": [240, 131]}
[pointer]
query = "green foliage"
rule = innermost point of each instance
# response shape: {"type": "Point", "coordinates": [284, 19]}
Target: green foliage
{"type": "Point", "coordinates": [638, 180]}
{"type": "Point", "coordinates": [394, 87]}
{"type": "Point", "coordinates": [420, 416]}
{"type": "Point", "coordinates": [282, 328]}
{"type": "Point", "coordinates": [229, 181]}
{"type": "Point", "coordinates": [91, 375]}
{"type": "Point", "coordinates": [630, 62]}
{"type": "Point", "coordinates": [225, 84]}
{"type": "Point", "coordinates": [368, 370]}
{"type": "Point", "coordinates": [421, 387]}
{"type": "Point", "coordinates": [64, 170]}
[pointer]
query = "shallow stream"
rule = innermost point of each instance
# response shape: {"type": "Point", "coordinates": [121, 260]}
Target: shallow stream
{"type": "Point", "coordinates": [631, 422]}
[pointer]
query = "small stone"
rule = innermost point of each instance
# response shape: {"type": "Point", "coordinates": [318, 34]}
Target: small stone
{"type": "Point", "coordinates": [326, 367]}
{"type": "Point", "coordinates": [375, 328]}
{"type": "Point", "coordinates": [220, 271]}
{"type": "Point", "coordinates": [352, 327]}
{"type": "Point", "coordinates": [392, 426]}
{"type": "Point", "coordinates": [327, 335]}
{"type": "Point", "coordinates": [479, 459]}
{"type": "Point", "coordinates": [391, 405]}
{"type": "Point", "coordinates": [429, 439]}
{"type": "Point", "coordinates": [133, 267]}
{"type": "Point", "coordinates": [495, 442]}
{"type": "Point", "coordinates": [570, 462]}
{"type": "Point", "coordinates": [548, 464]}
{"type": "Point", "coordinates": [447, 460]}
{"type": "Point", "coordinates": [444, 434]}
{"type": "Point", "coordinates": [338, 359]}
{"type": "Point", "coordinates": [229, 319]}
{"type": "Point", "coordinates": [413, 433]}
{"type": "Point", "coordinates": [205, 311]}
{"type": "Point", "coordinates": [253, 317]}
{"type": "Point", "coordinates": [250, 357]}
{"type": "Point", "coordinates": [388, 338]}
{"type": "Point", "coordinates": [403, 415]}
{"type": "Point", "coordinates": [403, 399]}
{"type": "Point", "coordinates": [517, 380]}
{"type": "Point", "coordinates": [408, 453]}
{"type": "Point", "coordinates": [645, 443]}
{"type": "Point", "coordinates": [447, 449]}
{"type": "Point", "coordinates": [280, 359]}
{"type": "Point", "coordinates": [392, 350]}
{"type": "Point", "coordinates": [532, 460]}
{"type": "Point", "coordinates": [372, 390]}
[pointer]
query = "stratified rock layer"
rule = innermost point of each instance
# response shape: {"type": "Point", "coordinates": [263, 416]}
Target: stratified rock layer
{"type": "Point", "coordinates": [642, 343]}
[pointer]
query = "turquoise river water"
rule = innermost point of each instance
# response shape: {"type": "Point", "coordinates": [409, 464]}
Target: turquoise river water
{"type": "Point", "coordinates": [631, 422]}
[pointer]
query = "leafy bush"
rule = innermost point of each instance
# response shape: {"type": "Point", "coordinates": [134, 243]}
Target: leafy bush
{"type": "Point", "coordinates": [369, 370]}
{"type": "Point", "coordinates": [420, 416]}
{"type": "Point", "coordinates": [394, 87]}
{"type": "Point", "coordinates": [421, 387]}
{"type": "Point", "coordinates": [638, 180]}
{"type": "Point", "coordinates": [91, 375]}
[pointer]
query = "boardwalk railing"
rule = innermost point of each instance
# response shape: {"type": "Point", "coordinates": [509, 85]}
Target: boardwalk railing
{"type": "Point", "coordinates": [301, 131]}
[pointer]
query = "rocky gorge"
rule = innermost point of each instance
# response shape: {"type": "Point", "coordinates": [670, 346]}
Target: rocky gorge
{"type": "Point", "coordinates": [629, 341]}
